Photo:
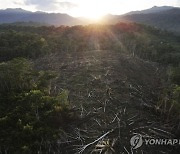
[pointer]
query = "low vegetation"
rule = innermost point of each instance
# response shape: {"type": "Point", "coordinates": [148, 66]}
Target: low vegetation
{"type": "Point", "coordinates": [87, 89]}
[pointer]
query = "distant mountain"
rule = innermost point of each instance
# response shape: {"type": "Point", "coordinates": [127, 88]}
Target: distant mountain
{"type": "Point", "coordinates": [16, 11]}
{"type": "Point", "coordinates": [154, 9]}
{"type": "Point", "coordinates": [165, 17]}
{"type": "Point", "coordinates": [20, 15]}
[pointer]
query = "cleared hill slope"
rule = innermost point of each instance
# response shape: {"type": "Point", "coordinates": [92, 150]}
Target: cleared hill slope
{"type": "Point", "coordinates": [112, 92]}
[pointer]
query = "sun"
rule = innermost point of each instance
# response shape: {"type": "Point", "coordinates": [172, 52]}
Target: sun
{"type": "Point", "coordinates": [93, 15]}
{"type": "Point", "coordinates": [93, 10]}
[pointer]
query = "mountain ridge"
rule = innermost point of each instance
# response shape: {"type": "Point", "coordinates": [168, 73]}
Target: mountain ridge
{"type": "Point", "coordinates": [153, 9]}
{"type": "Point", "coordinates": [165, 20]}
{"type": "Point", "coordinates": [163, 17]}
{"type": "Point", "coordinates": [19, 15]}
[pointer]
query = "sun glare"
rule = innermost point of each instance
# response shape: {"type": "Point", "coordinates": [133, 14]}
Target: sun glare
{"type": "Point", "coordinates": [93, 15]}
{"type": "Point", "coordinates": [96, 9]}
{"type": "Point", "coordinates": [93, 10]}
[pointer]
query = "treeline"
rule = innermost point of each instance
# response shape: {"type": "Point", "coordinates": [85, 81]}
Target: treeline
{"type": "Point", "coordinates": [18, 44]}
{"type": "Point", "coordinates": [138, 40]}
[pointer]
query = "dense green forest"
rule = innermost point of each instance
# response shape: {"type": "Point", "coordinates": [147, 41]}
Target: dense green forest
{"type": "Point", "coordinates": [44, 72]}
{"type": "Point", "coordinates": [143, 41]}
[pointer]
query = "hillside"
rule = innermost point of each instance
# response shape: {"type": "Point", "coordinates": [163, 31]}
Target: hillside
{"type": "Point", "coordinates": [86, 89]}
{"type": "Point", "coordinates": [111, 91]}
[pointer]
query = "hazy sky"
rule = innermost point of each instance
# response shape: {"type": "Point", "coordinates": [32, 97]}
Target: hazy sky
{"type": "Point", "coordinates": [88, 8]}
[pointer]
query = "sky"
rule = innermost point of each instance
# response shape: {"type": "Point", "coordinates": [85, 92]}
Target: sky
{"type": "Point", "coordinates": [86, 8]}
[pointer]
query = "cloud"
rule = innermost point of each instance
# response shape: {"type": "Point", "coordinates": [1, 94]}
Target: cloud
{"type": "Point", "coordinates": [51, 5]}
{"type": "Point", "coordinates": [18, 2]}
{"type": "Point", "coordinates": [178, 3]}
{"type": "Point", "coordinates": [45, 5]}
{"type": "Point", "coordinates": [67, 5]}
